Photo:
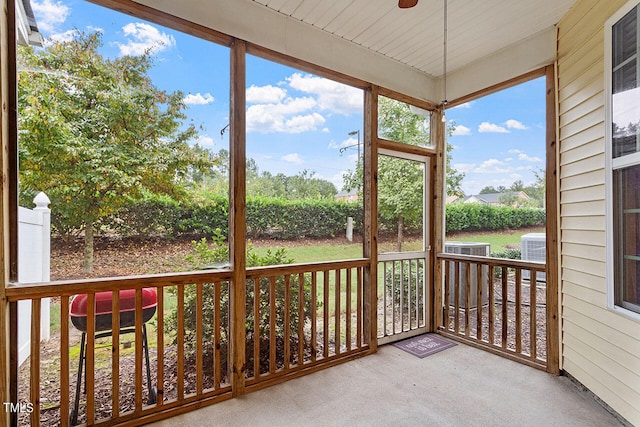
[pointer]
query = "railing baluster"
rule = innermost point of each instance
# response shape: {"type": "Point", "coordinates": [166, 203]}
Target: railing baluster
{"type": "Point", "coordinates": [160, 345]}
{"type": "Point", "coordinates": [314, 315]}
{"type": "Point", "coordinates": [180, 342]}
{"type": "Point", "coordinates": [325, 329]}
{"type": "Point", "coordinates": [384, 298]}
{"type": "Point", "coordinates": [518, 290]}
{"type": "Point", "coordinates": [456, 292]}
{"type": "Point", "coordinates": [359, 303]}
{"type": "Point", "coordinates": [89, 357]}
{"type": "Point", "coordinates": [199, 338]}
{"type": "Point", "coordinates": [421, 265]}
{"type": "Point", "coordinates": [419, 293]}
{"type": "Point", "coordinates": [64, 361]}
{"type": "Point", "coordinates": [491, 300]}
{"type": "Point", "coordinates": [272, 324]}
{"type": "Point", "coordinates": [505, 307]}
{"type": "Point", "coordinates": [533, 323]}
{"type": "Point", "coordinates": [115, 354]}
{"type": "Point", "coordinates": [301, 340]}
{"type": "Point", "coordinates": [467, 298]}
{"type": "Point", "coordinates": [257, 337]}
{"type": "Point", "coordinates": [393, 296]}
{"type": "Point", "coordinates": [138, 352]}
{"type": "Point", "coordinates": [217, 328]}
{"type": "Point", "coordinates": [336, 309]}
{"type": "Point", "coordinates": [447, 295]}
{"type": "Point", "coordinates": [34, 387]}
{"type": "Point", "coordinates": [348, 310]}
{"type": "Point", "coordinates": [287, 321]}
{"type": "Point", "coordinates": [401, 306]}
{"type": "Point", "coordinates": [479, 295]}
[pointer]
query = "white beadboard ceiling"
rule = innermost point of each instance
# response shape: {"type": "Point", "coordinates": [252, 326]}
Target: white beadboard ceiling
{"type": "Point", "coordinates": [489, 41]}
{"type": "Point", "coordinates": [477, 28]}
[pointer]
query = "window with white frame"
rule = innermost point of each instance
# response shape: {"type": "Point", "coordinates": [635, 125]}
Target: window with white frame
{"type": "Point", "coordinates": [623, 169]}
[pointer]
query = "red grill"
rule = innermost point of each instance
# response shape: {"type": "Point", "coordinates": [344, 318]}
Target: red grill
{"type": "Point", "coordinates": [103, 323]}
{"type": "Point", "coordinates": [78, 309]}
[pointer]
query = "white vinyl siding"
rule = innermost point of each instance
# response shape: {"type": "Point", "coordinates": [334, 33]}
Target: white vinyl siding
{"type": "Point", "coordinates": [599, 347]}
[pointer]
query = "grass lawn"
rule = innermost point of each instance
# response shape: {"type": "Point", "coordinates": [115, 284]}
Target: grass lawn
{"type": "Point", "coordinates": [315, 253]}
{"type": "Point", "coordinates": [310, 251]}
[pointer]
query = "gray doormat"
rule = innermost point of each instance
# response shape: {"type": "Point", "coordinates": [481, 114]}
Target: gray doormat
{"type": "Point", "coordinates": [424, 345]}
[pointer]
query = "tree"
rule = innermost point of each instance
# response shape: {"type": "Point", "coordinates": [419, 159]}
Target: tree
{"type": "Point", "coordinates": [400, 182]}
{"type": "Point", "coordinates": [94, 132]}
{"type": "Point", "coordinates": [488, 190]}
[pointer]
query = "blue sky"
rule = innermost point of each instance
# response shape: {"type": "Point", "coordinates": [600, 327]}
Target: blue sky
{"type": "Point", "coordinates": [297, 121]}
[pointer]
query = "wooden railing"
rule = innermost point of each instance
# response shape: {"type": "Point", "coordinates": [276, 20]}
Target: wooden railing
{"type": "Point", "coordinates": [402, 297]}
{"type": "Point", "coordinates": [289, 334]}
{"type": "Point", "coordinates": [497, 304]}
{"type": "Point", "coordinates": [188, 340]}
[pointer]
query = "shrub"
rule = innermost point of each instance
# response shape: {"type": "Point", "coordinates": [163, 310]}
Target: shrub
{"type": "Point", "coordinates": [266, 217]}
{"type": "Point", "coordinates": [218, 253]}
{"type": "Point", "coordinates": [475, 216]}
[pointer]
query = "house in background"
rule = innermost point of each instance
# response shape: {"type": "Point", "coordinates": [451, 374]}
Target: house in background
{"type": "Point", "coordinates": [347, 196]}
{"type": "Point", "coordinates": [26, 27]}
{"type": "Point", "coordinates": [510, 198]}
{"type": "Point", "coordinates": [589, 51]}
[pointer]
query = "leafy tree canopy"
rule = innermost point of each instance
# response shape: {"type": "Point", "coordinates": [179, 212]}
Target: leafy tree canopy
{"type": "Point", "coordinates": [95, 131]}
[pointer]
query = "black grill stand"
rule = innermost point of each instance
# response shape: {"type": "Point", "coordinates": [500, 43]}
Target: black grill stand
{"type": "Point", "coordinates": [73, 417]}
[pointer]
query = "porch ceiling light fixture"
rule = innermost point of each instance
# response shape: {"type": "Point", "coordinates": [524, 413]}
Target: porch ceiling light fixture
{"type": "Point", "coordinates": [406, 4]}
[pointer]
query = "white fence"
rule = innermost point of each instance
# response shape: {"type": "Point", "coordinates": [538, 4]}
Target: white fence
{"type": "Point", "coordinates": [34, 254]}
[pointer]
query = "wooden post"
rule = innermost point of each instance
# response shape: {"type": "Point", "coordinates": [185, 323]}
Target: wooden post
{"type": "Point", "coordinates": [370, 238]}
{"type": "Point", "coordinates": [237, 213]}
{"type": "Point", "coordinates": [552, 203]}
{"type": "Point", "coordinates": [8, 220]}
{"type": "Point", "coordinates": [438, 130]}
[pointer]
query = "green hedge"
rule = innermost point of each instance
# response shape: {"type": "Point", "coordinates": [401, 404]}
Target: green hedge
{"type": "Point", "coordinates": [266, 217]}
{"type": "Point", "coordinates": [477, 217]}
{"type": "Point", "coordinates": [288, 219]}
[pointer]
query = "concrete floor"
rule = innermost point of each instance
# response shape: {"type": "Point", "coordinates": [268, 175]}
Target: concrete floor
{"type": "Point", "coordinates": [460, 386]}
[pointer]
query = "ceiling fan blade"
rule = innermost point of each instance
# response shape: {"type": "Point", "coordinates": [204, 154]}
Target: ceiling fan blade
{"type": "Point", "coordinates": [405, 4]}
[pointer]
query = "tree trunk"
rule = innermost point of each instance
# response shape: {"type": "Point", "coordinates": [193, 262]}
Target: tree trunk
{"type": "Point", "coordinates": [88, 247]}
{"type": "Point", "coordinates": [400, 233]}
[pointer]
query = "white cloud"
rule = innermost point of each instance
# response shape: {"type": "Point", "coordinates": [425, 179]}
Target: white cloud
{"type": "Point", "coordinates": [514, 124]}
{"type": "Point", "coordinates": [49, 14]}
{"type": "Point", "coordinates": [205, 140]}
{"type": "Point", "coordinates": [66, 36]}
{"type": "Point", "coordinates": [265, 94]}
{"type": "Point", "coordinates": [486, 127]}
{"type": "Point", "coordinates": [332, 96]}
{"type": "Point", "coordinates": [293, 158]}
{"type": "Point", "coordinates": [524, 156]}
{"type": "Point", "coordinates": [274, 109]}
{"type": "Point", "coordinates": [269, 118]}
{"type": "Point", "coordinates": [461, 130]}
{"type": "Point", "coordinates": [349, 142]}
{"type": "Point", "coordinates": [298, 124]}
{"type": "Point", "coordinates": [465, 105]}
{"type": "Point", "coordinates": [144, 38]}
{"type": "Point", "coordinates": [527, 158]}
{"type": "Point", "coordinates": [489, 166]}
{"type": "Point", "coordinates": [198, 99]}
